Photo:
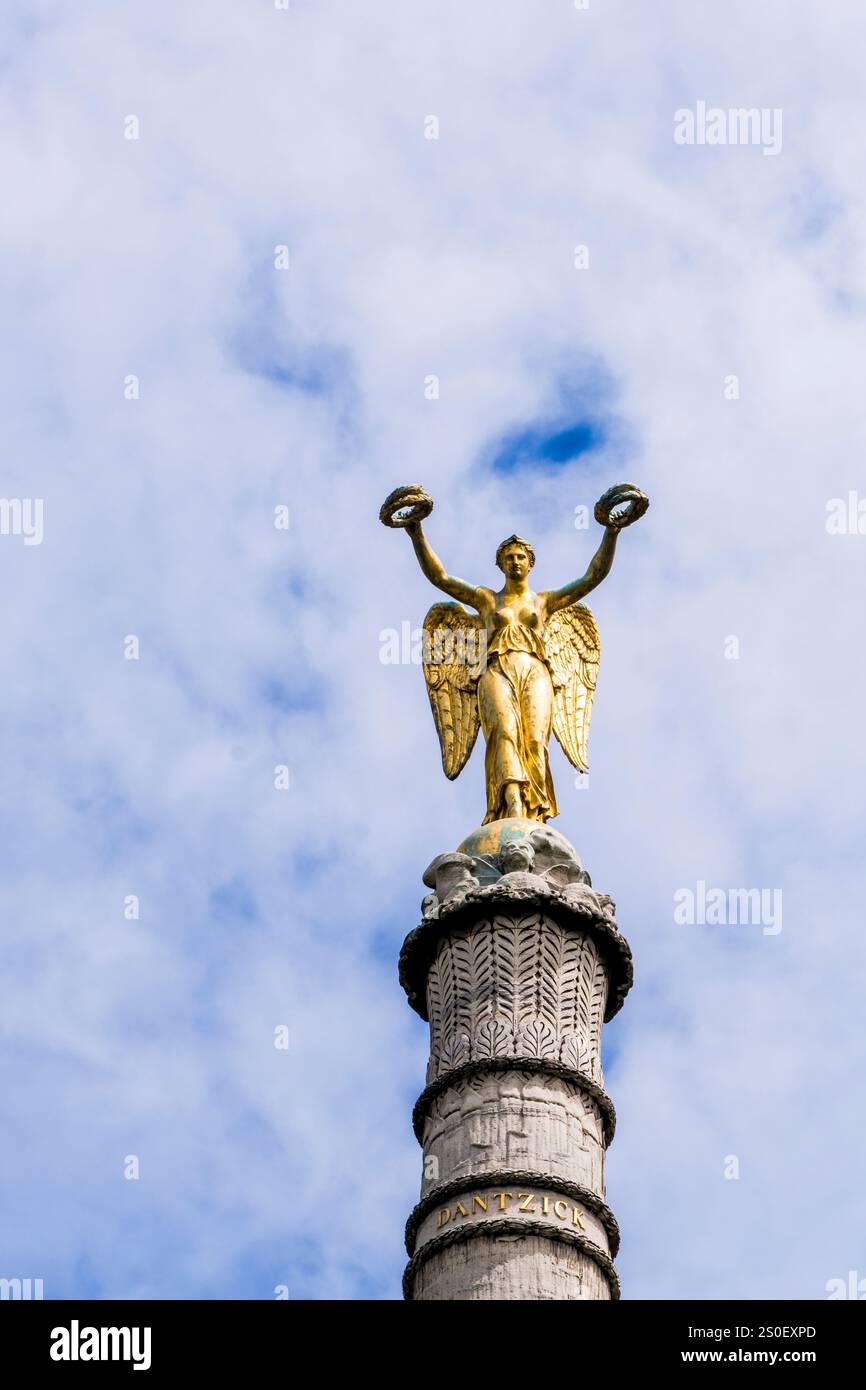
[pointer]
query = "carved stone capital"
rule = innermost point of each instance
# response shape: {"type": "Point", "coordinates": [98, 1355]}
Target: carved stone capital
{"type": "Point", "coordinates": [576, 908]}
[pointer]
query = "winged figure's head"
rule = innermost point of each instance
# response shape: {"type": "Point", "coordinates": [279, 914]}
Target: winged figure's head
{"type": "Point", "coordinates": [515, 557]}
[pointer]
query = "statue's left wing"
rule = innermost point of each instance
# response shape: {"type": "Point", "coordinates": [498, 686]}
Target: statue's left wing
{"type": "Point", "coordinates": [453, 655]}
{"type": "Point", "coordinates": [573, 650]}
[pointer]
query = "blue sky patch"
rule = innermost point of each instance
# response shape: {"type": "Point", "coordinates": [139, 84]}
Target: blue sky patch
{"type": "Point", "coordinates": [546, 444]}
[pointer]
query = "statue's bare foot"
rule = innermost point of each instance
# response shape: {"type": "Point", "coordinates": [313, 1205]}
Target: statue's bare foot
{"type": "Point", "coordinates": [513, 798]}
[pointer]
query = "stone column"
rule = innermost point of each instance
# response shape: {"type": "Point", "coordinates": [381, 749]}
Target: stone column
{"type": "Point", "coordinates": [516, 964]}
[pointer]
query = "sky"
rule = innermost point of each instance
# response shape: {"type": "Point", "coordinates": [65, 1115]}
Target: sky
{"type": "Point", "coordinates": [257, 259]}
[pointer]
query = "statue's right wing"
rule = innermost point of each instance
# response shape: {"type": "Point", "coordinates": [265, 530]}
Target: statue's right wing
{"type": "Point", "coordinates": [453, 655]}
{"type": "Point", "coordinates": [573, 653]}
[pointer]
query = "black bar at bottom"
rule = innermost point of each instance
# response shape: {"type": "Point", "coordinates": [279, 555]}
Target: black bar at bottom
{"type": "Point", "coordinates": [66, 1338]}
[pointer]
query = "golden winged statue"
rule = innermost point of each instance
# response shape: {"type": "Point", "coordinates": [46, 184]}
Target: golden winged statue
{"type": "Point", "coordinates": [522, 665]}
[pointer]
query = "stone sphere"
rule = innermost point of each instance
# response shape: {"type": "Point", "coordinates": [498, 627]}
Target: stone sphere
{"type": "Point", "coordinates": [549, 845]}
{"type": "Point", "coordinates": [490, 839]}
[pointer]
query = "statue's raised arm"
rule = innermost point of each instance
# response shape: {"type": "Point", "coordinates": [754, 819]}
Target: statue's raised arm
{"type": "Point", "coordinates": [619, 507]}
{"type": "Point", "coordinates": [406, 508]}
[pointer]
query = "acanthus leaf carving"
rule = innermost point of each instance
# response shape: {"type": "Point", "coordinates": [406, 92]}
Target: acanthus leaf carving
{"type": "Point", "coordinates": [492, 1038]}
{"type": "Point", "coordinates": [455, 1051]}
{"type": "Point", "coordinates": [537, 1039]}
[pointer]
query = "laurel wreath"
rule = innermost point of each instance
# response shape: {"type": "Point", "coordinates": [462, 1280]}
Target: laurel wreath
{"type": "Point", "coordinates": [626, 496]}
{"type": "Point", "coordinates": [405, 505]}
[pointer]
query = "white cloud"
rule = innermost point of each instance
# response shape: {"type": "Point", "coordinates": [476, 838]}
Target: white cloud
{"type": "Point", "coordinates": [259, 647]}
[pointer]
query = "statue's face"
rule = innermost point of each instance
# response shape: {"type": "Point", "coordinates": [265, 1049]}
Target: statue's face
{"type": "Point", "coordinates": [517, 858]}
{"type": "Point", "coordinates": [515, 562]}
